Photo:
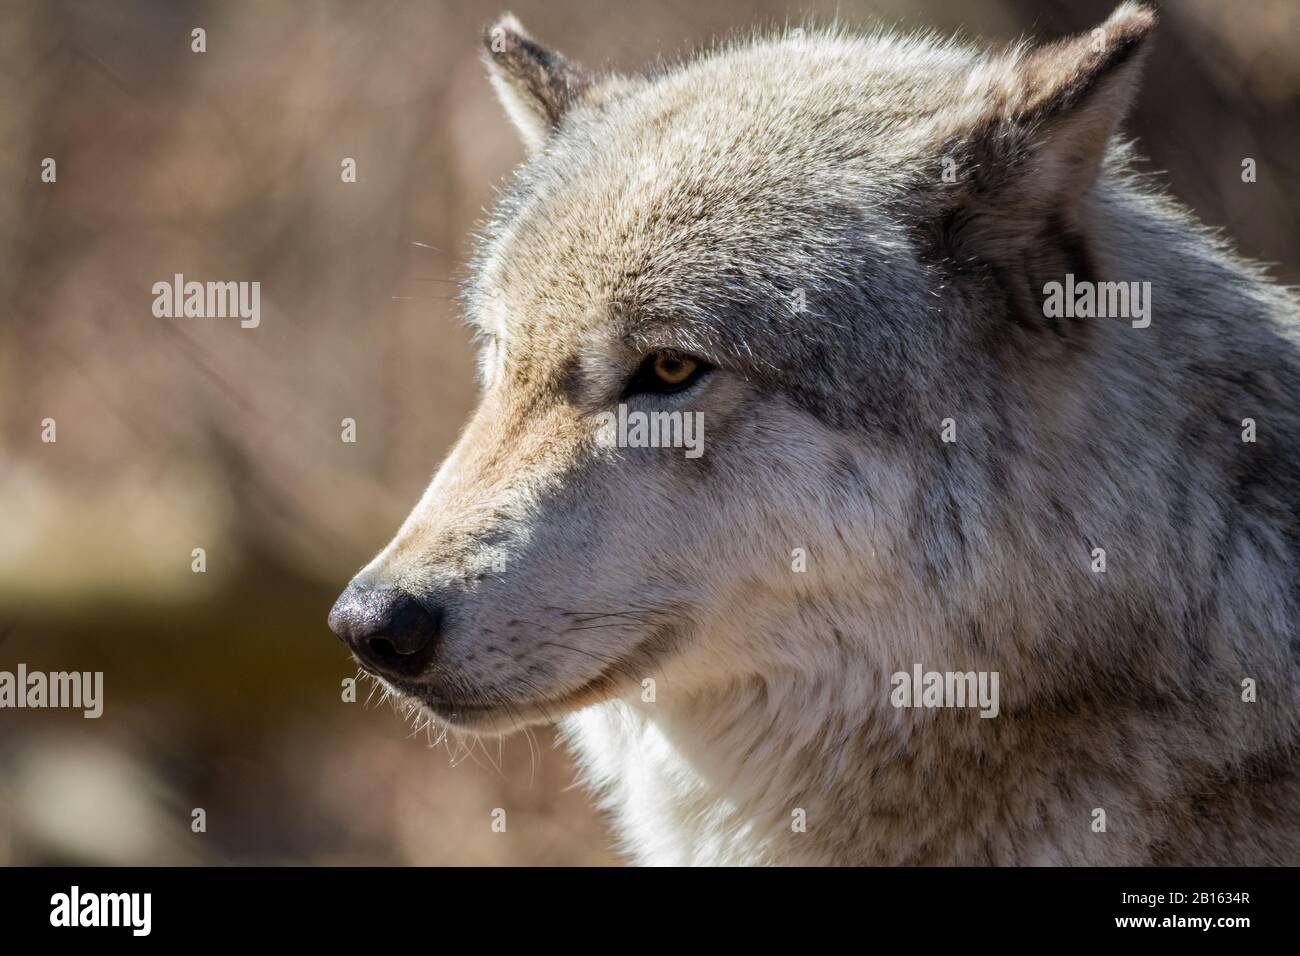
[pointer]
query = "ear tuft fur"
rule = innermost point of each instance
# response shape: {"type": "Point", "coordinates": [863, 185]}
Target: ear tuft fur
{"type": "Point", "coordinates": [537, 86]}
{"type": "Point", "coordinates": [1097, 69]}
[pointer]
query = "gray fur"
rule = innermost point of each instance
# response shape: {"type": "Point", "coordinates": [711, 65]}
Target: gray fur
{"type": "Point", "coordinates": [684, 210]}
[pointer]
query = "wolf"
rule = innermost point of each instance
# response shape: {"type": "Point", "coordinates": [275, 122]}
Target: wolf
{"type": "Point", "coordinates": [835, 248]}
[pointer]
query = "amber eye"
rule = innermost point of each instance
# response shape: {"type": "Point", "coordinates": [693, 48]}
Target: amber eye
{"type": "Point", "coordinates": [666, 372]}
{"type": "Point", "coordinates": [673, 370]}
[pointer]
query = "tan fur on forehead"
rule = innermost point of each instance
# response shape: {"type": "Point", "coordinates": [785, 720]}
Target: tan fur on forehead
{"type": "Point", "coordinates": [818, 133]}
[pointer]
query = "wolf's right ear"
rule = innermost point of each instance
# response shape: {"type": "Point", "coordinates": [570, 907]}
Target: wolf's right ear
{"type": "Point", "coordinates": [536, 86]}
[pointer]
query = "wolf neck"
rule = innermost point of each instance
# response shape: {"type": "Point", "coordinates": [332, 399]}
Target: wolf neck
{"type": "Point", "coordinates": [790, 770]}
{"type": "Point", "coordinates": [783, 770]}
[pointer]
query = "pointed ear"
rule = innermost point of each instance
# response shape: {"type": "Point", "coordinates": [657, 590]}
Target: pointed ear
{"type": "Point", "coordinates": [1072, 96]}
{"type": "Point", "coordinates": [536, 86]}
{"type": "Point", "coordinates": [1028, 147]}
{"type": "Point", "coordinates": [1042, 139]}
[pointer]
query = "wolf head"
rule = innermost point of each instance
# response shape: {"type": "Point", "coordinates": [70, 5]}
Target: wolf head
{"type": "Point", "coordinates": [725, 311]}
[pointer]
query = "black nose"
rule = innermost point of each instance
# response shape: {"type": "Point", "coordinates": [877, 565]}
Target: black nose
{"type": "Point", "coordinates": [388, 629]}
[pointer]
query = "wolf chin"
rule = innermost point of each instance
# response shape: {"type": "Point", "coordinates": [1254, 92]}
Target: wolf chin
{"type": "Point", "coordinates": [835, 248]}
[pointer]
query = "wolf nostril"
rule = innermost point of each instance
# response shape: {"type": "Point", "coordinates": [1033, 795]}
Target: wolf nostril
{"type": "Point", "coordinates": [382, 647]}
{"type": "Point", "coordinates": [388, 629]}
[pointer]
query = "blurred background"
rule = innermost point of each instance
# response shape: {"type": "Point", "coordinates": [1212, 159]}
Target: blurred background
{"type": "Point", "coordinates": [224, 689]}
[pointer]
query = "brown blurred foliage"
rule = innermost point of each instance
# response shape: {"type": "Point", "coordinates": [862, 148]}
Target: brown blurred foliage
{"type": "Point", "coordinates": [223, 689]}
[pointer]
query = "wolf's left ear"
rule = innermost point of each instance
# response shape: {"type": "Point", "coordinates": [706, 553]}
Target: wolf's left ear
{"type": "Point", "coordinates": [536, 86]}
{"type": "Point", "coordinates": [1048, 114]}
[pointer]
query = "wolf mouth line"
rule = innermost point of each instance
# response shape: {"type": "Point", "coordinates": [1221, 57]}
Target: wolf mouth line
{"type": "Point", "coordinates": [467, 714]}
